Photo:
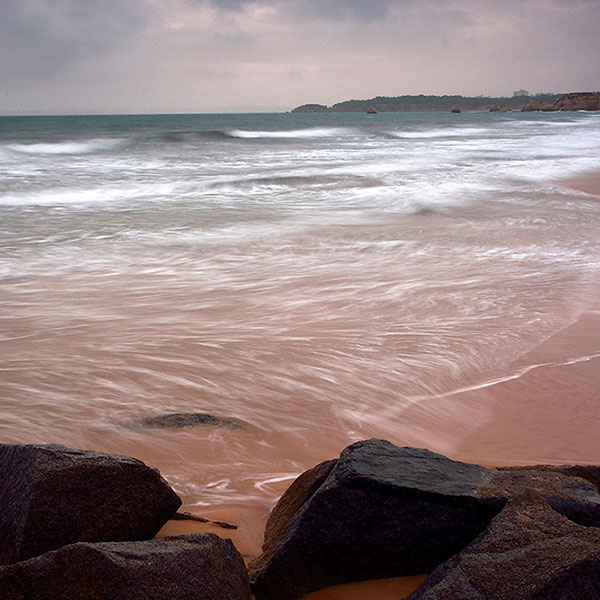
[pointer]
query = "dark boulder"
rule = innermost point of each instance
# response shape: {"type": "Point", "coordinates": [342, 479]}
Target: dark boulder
{"type": "Point", "coordinates": [51, 496]}
{"type": "Point", "coordinates": [191, 567]}
{"type": "Point", "coordinates": [378, 511]}
{"type": "Point", "coordinates": [520, 533]}
{"type": "Point", "coordinates": [544, 544]}
{"type": "Point", "coordinates": [529, 552]}
{"type": "Point", "coordinates": [181, 420]}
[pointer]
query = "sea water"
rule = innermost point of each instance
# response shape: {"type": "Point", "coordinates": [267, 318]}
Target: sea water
{"type": "Point", "coordinates": [308, 276]}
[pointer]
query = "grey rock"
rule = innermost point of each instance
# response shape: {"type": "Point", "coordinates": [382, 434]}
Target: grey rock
{"type": "Point", "coordinates": [191, 567]}
{"type": "Point", "coordinates": [521, 533]}
{"type": "Point", "coordinates": [52, 496]}
{"type": "Point", "coordinates": [529, 552]}
{"type": "Point", "coordinates": [378, 511]}
{"type": "Point", "coordinates": [545, 544]}
{"type": "Point", "coordinates": [181, 420]}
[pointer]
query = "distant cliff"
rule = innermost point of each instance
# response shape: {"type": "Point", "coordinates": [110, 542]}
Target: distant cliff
{"type": "Point", "coordinates": [573, 101]}
{"type": "Point", "coordinates": [430, 103]}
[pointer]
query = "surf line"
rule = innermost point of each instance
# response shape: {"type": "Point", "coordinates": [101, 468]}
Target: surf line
{"type": "Point", "coordinates": [517, 375]}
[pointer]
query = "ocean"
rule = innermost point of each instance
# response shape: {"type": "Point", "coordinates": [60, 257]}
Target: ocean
{"type": "Point", "coordinates": [307, 276]}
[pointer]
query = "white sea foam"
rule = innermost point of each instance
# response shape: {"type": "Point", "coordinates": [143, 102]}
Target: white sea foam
{"type": "Point", "coordinates": [85, 196]}
{"type": "Point", "coordinates": [448, 132]}
{"type": "Point", "coordinates": [342, 272]}
{"type": "Point", "coordinates": [316, 132]}
{"type": "Point", "coordinates": [66, 148]}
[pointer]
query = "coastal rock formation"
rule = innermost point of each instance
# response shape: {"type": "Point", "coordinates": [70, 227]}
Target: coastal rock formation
{"type": "Point", "coordinates": [52, 496]}
{"type": "Point", "coordinates": [384, 511]}
{"type": "Point", "coordinates": [378, 511]}
{"type": "Point", "coordinates": [574, 101]}
{"type": "Point", "coordinates": [579, 101]}
{"type": "Point", "coordinates": [427, 103]}
{"type": "Point", "coordinates": [191, 567]}
{"type": "Point", "coordinates": [312, 108]}
{"type": "Point", "coordinates": [538, 106]}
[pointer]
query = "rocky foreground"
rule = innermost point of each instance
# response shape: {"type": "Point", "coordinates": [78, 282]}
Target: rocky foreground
{"type": "Point", "coordinates": [78, 525]}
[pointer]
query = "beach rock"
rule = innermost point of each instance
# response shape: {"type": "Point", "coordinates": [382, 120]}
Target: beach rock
{"type": "Point", "coordinates": [378, 511]}
{"type": "Point", "coordinates": [52, 496]}
{"type": "Point", "coordinates": [495, 108]}
{"type": "Point", "coordinates": [456, 110]}
{"type": "Point", "coordinates": [190, 567]}
{"type": "Point", "coordinates": [519, 533]}
{"type": "Point", "coordinates": [529, 552]}
{"type": "Point", "coordinates": [181, 420]}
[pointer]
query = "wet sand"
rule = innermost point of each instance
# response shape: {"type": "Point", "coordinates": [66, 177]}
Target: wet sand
{"type": "Point", "coordinates": [547, 409]}
{"type": "Point", "coordinates": [247, 538]}
{"type": "Point", "coordinates": [587, 182]}
{"type": "Point", "coordinates": [540, 408]}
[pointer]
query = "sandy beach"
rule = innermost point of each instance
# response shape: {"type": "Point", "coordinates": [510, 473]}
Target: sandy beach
{"type": "Point", "coordinates": [540, 408]}
{"type": "Point", "coordinates": [545, 409]}
{"type": "Point", "coordinates": [303, 285]}
{"type": "Point", "coordinates": [242, 241]}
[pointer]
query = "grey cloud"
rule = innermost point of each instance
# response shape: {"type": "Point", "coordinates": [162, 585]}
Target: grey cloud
{"type": "Point", "coordinates": [327, 10]}
{"type": "Point", "coordinates": [337, 10]}
{"type": "Point", "coordinates": [236, 39]}
{"type": "Point", "coordinates": [166, 55]}
{"type": "Point", "coordinates": [43, 37]}
{"type": "Point", "coordinates": [227, 5]}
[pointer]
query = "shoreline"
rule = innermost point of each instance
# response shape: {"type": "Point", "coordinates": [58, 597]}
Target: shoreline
{"type": "Point", "coordinates": [541, 409]}
{"type": "Point", "coordinates": [589, 183]}
{"type": "Point", "coordinates": [545, 415]}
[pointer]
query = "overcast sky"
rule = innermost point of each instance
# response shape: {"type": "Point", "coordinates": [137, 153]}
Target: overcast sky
{"type": "Point", "coordinates": [78, 56]}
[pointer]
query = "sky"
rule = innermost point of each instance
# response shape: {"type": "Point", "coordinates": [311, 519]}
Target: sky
{"type": "Point", "coordinates": [139, 56]}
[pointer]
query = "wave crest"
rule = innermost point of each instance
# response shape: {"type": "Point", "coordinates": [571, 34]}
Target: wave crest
{"type": "Point", "coordinates": [440, 133]}
{"type": "Point", "coordinates": [314, 132]}
{"type": "Point", "coordinates": [66, 147]}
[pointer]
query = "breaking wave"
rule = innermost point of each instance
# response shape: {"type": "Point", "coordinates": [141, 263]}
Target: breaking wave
{"type": "Point", "coordinates": [66, 147]}
{"type": "Point", "coordinates": [317, 132]}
